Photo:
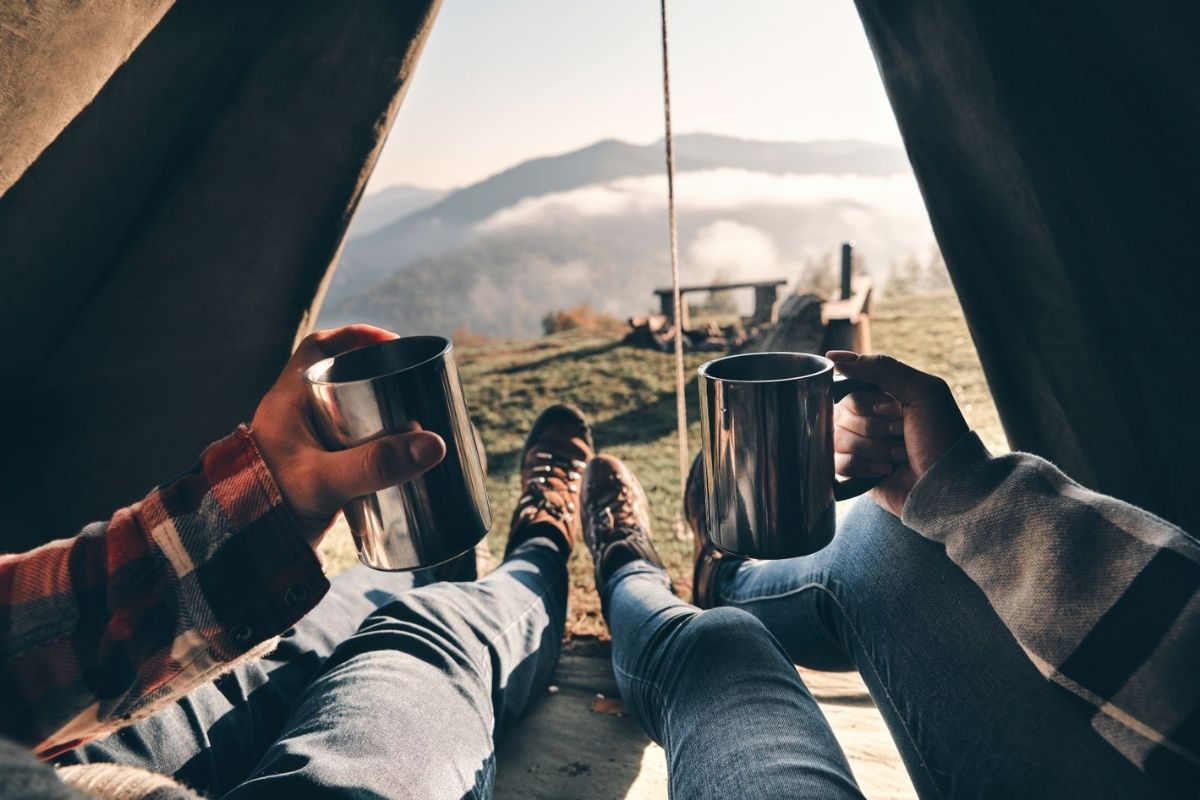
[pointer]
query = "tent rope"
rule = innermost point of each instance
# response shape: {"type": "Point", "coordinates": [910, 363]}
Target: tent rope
{"type": "Point", "coordinates": [676, 296]}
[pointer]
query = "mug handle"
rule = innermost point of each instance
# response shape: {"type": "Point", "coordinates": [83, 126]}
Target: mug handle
{"type": "Point", "coordinates": [852, 487]}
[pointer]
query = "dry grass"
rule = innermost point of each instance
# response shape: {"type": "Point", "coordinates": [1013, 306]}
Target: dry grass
{"type": "Point", "coordinates": [630, 397]}
{"type": "Point", "coordinates": [582, 319]}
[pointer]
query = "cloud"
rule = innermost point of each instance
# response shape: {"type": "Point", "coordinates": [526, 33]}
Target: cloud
{"type": "Point", "coordinates": [732, 250]}
{"type": "Point", "coordinates": [745, 225]}
{"type": "Point", "coordinates": [711, 190]}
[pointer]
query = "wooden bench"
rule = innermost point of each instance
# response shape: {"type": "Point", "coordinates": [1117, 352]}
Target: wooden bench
{"type": "Point", "coordinates": [766, 299]}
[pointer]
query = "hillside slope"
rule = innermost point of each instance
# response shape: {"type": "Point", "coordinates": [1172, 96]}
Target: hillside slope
{"type": "Point", "coordinates": [384, 207]}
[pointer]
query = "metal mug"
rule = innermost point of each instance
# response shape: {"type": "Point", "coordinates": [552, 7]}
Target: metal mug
{"type": "Point", "coordinates": [767, 427]}
{"type": "Point", "coordinates": [381, 389]}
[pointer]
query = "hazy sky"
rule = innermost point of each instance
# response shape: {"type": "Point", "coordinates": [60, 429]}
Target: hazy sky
{"type": "Point", "coordinates": [500, 82]}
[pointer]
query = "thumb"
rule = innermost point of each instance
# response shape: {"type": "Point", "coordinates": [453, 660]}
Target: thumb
{"type": "Point", "coordinates": [901, 381]}
{"type": "Point", "coordinates": [378, 464]}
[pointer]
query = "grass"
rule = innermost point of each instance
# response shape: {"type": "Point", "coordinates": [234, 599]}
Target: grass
{"type": "Point", "coordinates": [629, 395]}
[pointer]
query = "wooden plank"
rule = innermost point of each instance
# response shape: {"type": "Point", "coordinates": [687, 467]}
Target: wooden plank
{"type": "Point", "coordinates": [852, 307]}
{"type": "Point", "coordinates": [565, 748]}
{"type": "Point", "coordinates": [766, 304]}
{"type": "Point", "coordinates": [722, 287]}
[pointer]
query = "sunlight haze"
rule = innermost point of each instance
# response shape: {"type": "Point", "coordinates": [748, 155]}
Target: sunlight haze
{"type": "Point", "coordinates": [499, 83]}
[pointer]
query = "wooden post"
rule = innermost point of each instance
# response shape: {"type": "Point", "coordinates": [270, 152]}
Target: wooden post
{"type": "Point", "coordinates": [766, 299]}
{"type": "Point", "coordinates": [667, 303]}
{"type": "Point", "coordinates": [847, 268]}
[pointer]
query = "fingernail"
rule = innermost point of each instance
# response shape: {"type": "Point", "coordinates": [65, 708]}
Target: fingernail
{"type": "Point", "coordinates": [841, 356]}
{"type": "Point", "coordinates": [886, 407]}
{"type": "Point", "coordinates": [425, 450]}
{"type": "Point", "coordinates": [880, 468]}
{"type": "Point", "coordinates": [896, 427]}
{"type": "Point", "coordinates": [899, 454]}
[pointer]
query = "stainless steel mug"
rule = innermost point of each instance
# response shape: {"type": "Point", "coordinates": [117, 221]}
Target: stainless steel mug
{"type": "Point", "coordinates": [380, 389]}
{"type": "Point", "coordinates": [767, 427]}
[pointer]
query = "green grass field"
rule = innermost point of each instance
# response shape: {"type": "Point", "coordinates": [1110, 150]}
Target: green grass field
{"type": "Point", "coordinates": [629, 394]}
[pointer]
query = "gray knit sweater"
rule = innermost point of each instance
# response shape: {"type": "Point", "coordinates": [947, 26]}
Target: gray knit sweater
{"type": "Point", "coordinates": [1103, 597]}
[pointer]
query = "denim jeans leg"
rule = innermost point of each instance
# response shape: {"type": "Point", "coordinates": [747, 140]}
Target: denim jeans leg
{"type": "Point", "coordinates": [968, 710]}
{"type": "Point", "coordinates": [720, 695]}
{"type": "Point", "coordinates": [212, 738]}
{"type": "Point", "coordinates": [412, 704]}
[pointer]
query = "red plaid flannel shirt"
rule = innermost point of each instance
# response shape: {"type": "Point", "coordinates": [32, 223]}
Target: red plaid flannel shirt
{"type": "Point", "coordinates": [129, 615]}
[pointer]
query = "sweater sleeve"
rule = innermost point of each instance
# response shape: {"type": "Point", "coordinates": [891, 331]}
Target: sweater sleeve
{"type": "Point", "coordinates": [1103, 596]}
{"type": "Point", "coordinates": [129, 615]}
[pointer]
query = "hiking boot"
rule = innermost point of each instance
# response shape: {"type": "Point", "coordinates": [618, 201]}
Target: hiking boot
{"type": "Point", "coordinates": [552, 462]}
{"type": "Point", "coordinates": [707, 557]}
{"type": "Point", "coordinates": [616, 518]}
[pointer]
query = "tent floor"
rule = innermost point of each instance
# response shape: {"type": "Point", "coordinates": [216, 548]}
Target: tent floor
{"type": "Point", "coordinates": [565, 750]}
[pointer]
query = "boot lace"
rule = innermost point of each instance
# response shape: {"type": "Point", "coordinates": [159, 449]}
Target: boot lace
{"type": "Point", "coordinates": [551, 488]}
{"type": "Point", "coordinates": [619, 516]}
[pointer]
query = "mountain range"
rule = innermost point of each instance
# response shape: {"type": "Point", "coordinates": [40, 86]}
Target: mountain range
{"type": "Point", "coordinates": [589, 226]}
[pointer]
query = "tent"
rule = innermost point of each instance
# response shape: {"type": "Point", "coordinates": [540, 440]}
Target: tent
{"type": "Point", "coordinates": [175, 183]}
{"type": "Point", "coordinates": [177, 177]}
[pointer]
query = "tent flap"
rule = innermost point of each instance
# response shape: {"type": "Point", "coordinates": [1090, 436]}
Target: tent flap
{"type": "Point", "coordinates": [1057, 146]}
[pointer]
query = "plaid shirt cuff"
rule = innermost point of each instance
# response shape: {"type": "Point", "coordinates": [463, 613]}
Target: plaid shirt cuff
{"type": "Point", "coordinates": [242, 548]}
{"type": "Point", "coordinates": [110, 625]}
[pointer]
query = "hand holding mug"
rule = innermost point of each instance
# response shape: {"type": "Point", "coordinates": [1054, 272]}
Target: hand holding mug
{"type": "Point", "coordinates": [380, 392]}
{"type": "Point", "coordinates": [767, 439]}
{"type": "Point", "coordinates": [314, 481]}
{"type": "Point", "coordinates": [900, 431]}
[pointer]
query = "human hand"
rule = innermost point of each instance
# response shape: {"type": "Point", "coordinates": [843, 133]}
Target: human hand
{"type": "Point", "coordinates": [900, 431]}
{"type": "Point", "coordinates": [316, 482]}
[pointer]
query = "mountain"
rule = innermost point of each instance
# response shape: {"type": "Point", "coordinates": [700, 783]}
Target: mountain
{"type": "Point", "coordinates": [707, 151]}
{"type": "Point", "coordinates": [390, 204]}
{"type": "Point", "coordinates": [369, 259]}
{"type": "Point", "coordinates": [373, 254]}
{"type": "Point", "coordinates": [588, 226]}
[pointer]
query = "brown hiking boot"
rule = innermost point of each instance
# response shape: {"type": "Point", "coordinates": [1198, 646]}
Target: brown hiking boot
{"type": "Point", "coordinates": [556, 451]}
{"type": "Point", "coordinates": [707, 557]}
{"type": "Point", "coordinates": [616, 518]}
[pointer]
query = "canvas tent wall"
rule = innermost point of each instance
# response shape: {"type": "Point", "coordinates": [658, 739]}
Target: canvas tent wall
{"type": "Point", "coordinates": [175, 181]}
{"type": "Point", "coordinates": [176, 178]}
{"type": "Point", "coordinates": [1057, 146]}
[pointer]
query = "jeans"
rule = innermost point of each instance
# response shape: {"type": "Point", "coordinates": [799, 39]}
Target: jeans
{"type": "Point", "coordinates": [970, 714]}
{"type": "Point", "coordinates": [386, 690]}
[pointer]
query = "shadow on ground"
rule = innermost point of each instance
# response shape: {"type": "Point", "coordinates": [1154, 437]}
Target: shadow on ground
{"type": "Point", "coordinates": [576, 355]}
{"type": "Point", "coordinates": [646, 423]}
{"type": "Point", "coordinates": [649, 422]}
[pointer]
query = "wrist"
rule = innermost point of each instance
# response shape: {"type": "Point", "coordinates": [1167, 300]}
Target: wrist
{"type": "Point", "coordinates": [275, 465]}
{"type": "Point", "coordinates": [925, 500]}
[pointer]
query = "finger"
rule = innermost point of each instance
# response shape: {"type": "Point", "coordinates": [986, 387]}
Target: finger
{"type": "Point", "coordinates": [849, 466]}
{"type": "Point", "coordinates": [896, 378]}
{"type": "Point", "coordinates": [888, 449]}
{"type": "Point", "coordinates": [868, 425]}
{"type": "Point", "coordinates": [378, 464]}
{"type": "Point", "coordinates": [867, 402]}
{"type": "Point", "coordinates": [331, 342]}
